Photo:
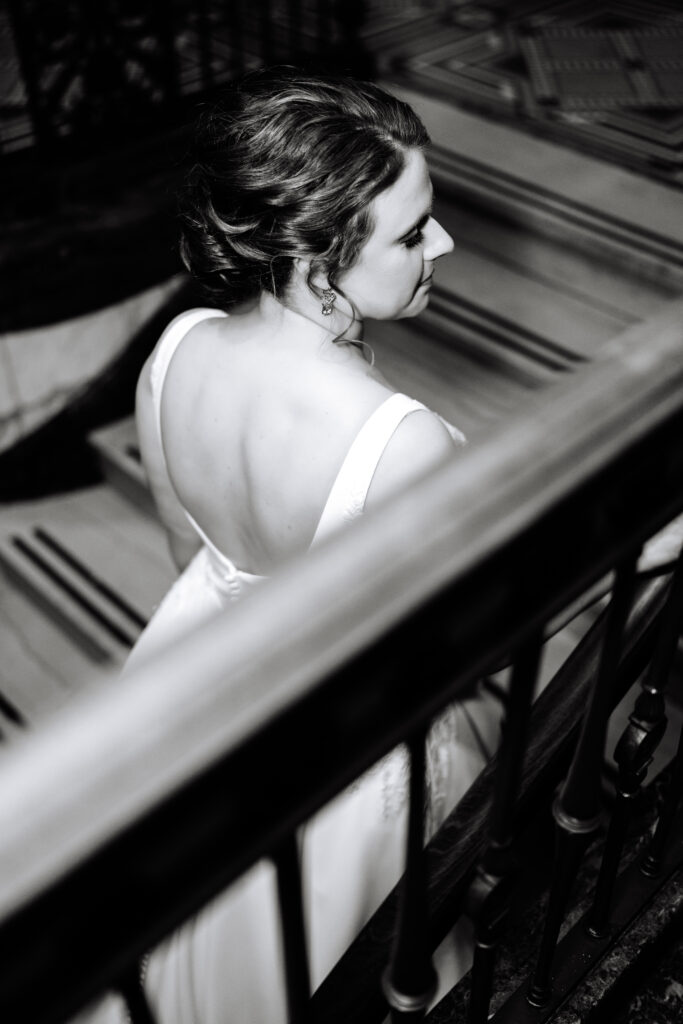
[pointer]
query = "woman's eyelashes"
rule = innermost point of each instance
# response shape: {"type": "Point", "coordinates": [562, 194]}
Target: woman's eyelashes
{"type": "Point", "coordinates": [418, 234]}
{"type": "Point", "coordinates": [414, 240]}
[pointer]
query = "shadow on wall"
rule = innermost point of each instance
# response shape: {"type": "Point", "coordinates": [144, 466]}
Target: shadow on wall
{"type": "Point", "coordinates": [50, 452]}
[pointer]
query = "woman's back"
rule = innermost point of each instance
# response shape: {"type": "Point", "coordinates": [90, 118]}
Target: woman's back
{"type": "Point", "coordinates": [256, 423]}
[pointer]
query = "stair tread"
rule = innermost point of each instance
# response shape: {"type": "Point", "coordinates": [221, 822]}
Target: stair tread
{"type": "Point", "coordinates": [629, 199]}
{"type": "Point", "coordinates": [45, 659]}
{"type": "Point", "coordinates": [61, 599]}
{"type": "Point", "coordinates": [41, 665]}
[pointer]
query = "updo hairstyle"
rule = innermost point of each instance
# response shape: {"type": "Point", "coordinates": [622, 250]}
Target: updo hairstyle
{"type": "Point", "coordinates": [286, 165]}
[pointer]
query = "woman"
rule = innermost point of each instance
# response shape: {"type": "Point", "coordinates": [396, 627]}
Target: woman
{"type": "Point", "coordinates": [264, 426]}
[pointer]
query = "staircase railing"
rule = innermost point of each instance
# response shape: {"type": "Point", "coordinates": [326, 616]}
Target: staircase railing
{"type": "Point", "coordinates": [93, 73]}
{"type": "Point", "coordinates": [392, 620]}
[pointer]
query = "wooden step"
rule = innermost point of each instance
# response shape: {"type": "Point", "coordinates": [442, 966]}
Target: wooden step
{"type": "Point", "coordinates": [80, 574]}
{"type": "Point", "coordinates": [118, 455]}
{"type": "Point", "coordinates": [42, 666]}
{"type": "Point", "coordinates": [58, 580]}
{"type": "Point", "coordinates": [531, 305]}
{"type": "Point", "coordinates": [628, 221]}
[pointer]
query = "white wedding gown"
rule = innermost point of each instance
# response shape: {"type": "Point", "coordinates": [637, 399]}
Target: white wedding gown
{"type": "Point", "coordinates": [224, 966]}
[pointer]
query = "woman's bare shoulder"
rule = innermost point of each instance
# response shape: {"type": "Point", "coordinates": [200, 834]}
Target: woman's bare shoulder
{"type": "Point", "coordinates": [419, 444]}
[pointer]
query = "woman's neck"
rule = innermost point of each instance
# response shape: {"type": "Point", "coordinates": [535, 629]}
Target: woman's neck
{"type": "Point", "coordinates": [307, 319]}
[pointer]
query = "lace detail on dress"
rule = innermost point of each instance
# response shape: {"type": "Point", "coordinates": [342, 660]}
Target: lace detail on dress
{"type": "Point", "coordinates": [441, 740]}
{"type": "Point", "coordinates": [394, 772]}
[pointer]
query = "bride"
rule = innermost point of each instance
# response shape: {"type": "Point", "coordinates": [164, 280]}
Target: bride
{"type": "Point", "coordinates": [264, 426]}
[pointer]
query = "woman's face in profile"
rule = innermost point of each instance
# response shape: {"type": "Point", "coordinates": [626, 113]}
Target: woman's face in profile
{"type": "Point", "coordinates": [392, 276]}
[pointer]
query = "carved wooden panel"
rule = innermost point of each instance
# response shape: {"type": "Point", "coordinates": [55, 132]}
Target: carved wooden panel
{"type": "Point", "coordinates": [600, 76]}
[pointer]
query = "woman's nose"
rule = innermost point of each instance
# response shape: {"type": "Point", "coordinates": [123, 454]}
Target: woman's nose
{"type": "Point", "coordinates": [439, 242]}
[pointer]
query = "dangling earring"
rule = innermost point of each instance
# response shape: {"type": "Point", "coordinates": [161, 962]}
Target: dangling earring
{"type": "Point", "coordinates": [329, 299]}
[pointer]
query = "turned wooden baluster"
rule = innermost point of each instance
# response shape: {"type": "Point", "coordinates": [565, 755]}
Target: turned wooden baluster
{"type": "Point", "coordinates": [652, 861]}
{"type": "Point", "coordinates": [671, 629]}
{"type": "Point", "coordinates": [134, 996]}
{"type": "Point", "coordinates": [577, 809]}
{"type": "Point", "coordinates": [488, 897]}
{"type": "Point", "coordinates": [410, 981]}
{"type": "Point", "coordinates": [635, 750]}
{"type": "Point", "coordinates": [290, 897]}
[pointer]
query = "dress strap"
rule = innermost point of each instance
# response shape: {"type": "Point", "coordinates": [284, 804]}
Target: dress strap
{"type": "Point", "coordinates": [166, 349]}
{"type": "Point", "coordinates": [346, 499]}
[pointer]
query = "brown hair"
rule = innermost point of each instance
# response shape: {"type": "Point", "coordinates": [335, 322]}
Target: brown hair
{"type": "Point", "coordinates": [286, 165]}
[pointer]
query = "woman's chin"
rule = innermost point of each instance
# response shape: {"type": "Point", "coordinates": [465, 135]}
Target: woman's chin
{"type": "Point", "coordinates": [417, 306]}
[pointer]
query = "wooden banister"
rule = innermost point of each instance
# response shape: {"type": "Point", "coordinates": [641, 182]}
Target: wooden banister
{"type": "Point", "coordinates": [455, 574]}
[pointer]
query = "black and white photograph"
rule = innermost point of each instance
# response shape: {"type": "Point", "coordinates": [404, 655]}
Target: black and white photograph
{"type": "Point", "coordinates": [341, 512]}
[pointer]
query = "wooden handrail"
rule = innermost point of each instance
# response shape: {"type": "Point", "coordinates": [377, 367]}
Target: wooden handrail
{"type": "Point", "coordinates": [600, 454]}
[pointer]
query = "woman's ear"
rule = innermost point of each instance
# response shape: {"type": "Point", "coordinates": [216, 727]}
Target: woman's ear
{"type": "Point", "coordinates": [312, 275]}
{"type": "Point", "coordinates": [302, 265]}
